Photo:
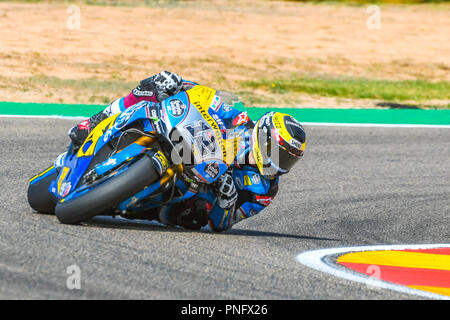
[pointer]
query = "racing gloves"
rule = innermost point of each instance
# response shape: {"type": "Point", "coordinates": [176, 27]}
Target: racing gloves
{"type": "Point", "coordinates": [226, 191]}
{"type": "Point", "coordinates": [162, 85]}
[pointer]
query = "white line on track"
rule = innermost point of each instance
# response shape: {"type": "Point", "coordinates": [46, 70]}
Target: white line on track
{"type": "Point", "coordinates": [326, 124]}
{"type": "Point", "coordinates": [316, 259]}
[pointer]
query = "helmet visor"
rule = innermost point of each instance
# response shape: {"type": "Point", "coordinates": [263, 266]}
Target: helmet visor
{"type": "Point", "coordinates": [276, 159]}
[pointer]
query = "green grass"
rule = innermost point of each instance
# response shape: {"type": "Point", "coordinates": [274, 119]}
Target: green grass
{"type": "Point", "coordinates": [289, 91]}
{"type": "Point", "coordinates": [357, 88]}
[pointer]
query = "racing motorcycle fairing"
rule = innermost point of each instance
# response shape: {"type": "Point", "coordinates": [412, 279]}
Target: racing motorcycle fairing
{"type": "Point", "coordinates": [185, 119]}
{"type": "Point", "coordinates": [197, 124]}
{"type": "Point", "coordinates": [74, 166]}
{"type": "Point", "coordinates": [200, 133]}
{"type": "Point", "coordinates": [47, 172]}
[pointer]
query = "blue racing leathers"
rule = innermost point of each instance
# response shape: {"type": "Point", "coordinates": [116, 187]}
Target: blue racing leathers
{"type": "Point", "coordinates": [255, 192]}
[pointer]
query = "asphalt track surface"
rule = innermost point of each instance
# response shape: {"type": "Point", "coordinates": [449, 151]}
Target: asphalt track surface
{"type": "Point", "coordinates": [355, 186]}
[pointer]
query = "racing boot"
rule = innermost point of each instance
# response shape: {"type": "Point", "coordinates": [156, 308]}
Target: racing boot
{"type": "Point", "coordinates": [80, 132]}
{"type": "Point", "coordinates": [190, 214]}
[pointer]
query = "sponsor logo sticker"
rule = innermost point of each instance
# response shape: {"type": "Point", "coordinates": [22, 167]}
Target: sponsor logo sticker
{"type": "Point", "coordinates": [212, 170]}
{"type": "Point", "coordinates": [176, 107]}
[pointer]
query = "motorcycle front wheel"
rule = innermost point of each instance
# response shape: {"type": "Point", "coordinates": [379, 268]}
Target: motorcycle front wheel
{"type": "Point", "coordinates": [108, 194]}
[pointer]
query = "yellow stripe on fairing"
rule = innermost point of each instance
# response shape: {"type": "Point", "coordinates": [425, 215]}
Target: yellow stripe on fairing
{"type": "Point", "coordinates": [439, 290]}
{"type": "Point", "coordinates": [95, 135]}
{"type": "Point", "coordinates": [42, 173]}
{"type": "Point", "coordinates": [62, 177]}
{"type": "Point", "coordinates": [399, 259]}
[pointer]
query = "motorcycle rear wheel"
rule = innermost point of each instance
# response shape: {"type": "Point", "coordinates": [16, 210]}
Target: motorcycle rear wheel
{"type": "Point", "coordinates": [39, 198]}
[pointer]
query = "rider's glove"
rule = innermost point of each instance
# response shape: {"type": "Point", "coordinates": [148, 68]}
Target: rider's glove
{"type": "Point", "coordinates": [80, 132]}
{"type": "Point", "coordinates": [226, 191]}
{"type": "Point", "coordinates": [163, 85]}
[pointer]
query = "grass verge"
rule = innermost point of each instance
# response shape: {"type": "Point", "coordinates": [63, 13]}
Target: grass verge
{"type": "Point", "coordinates": [296, 91]}
{"type": "Point", "coordinates": [418, 91]}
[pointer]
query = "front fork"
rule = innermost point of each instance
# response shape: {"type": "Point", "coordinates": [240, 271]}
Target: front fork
{"type": "Point", "coordinates": [160, 161]}
{"type": "Point", "coordinates": [166, 172]}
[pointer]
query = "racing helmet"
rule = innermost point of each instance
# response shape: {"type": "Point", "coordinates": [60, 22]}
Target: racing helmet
{"type": "Point", "coordinates": [278, 142]}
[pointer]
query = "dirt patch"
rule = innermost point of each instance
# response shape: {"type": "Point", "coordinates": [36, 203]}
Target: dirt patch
{"type": "Point", "coordinates": [218, 43]}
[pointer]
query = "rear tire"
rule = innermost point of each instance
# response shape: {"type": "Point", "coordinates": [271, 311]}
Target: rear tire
{"type": "Point", "coordinates": [108, 194]}
{"type": "Point", "coordinates": [39, 198]}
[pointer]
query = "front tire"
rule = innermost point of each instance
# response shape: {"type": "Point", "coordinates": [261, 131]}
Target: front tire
{"type": "Point", "coordinates": [108, 194]}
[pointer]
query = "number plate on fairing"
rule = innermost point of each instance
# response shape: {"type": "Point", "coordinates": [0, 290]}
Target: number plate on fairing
{"type": "Point", "coordinates": [191, 114]}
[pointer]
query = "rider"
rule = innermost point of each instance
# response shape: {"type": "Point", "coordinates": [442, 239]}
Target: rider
{"type": "Point", "coordinates": [268, 149]}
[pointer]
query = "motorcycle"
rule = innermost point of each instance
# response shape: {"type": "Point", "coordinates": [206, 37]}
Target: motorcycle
{"type": "Point", "coordinates": [149, 155]}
